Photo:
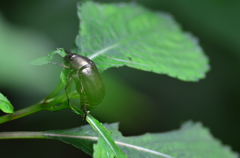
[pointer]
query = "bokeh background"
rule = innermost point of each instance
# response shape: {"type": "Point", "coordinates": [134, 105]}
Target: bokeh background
{"type": "Point", "coordinates": [141, 101]}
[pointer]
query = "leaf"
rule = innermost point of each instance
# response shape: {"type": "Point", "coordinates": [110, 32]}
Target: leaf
{"type": "Point", "coordinates": [47, 59]}
{"type": "Point", "coordinates": [5, 104]}
{"type": "Point", "coordinates": [64, 76]}
{"type": "Point", "coordinates": [192, 140]}
{"type": "Point", "coordinates": [114, 35]}
{"type": "Point", "coordinates": [101, 150]}
{"type": "Point", "coordinates": [41, 61]}
{"type": "Point", "coordinates": [109, 144]}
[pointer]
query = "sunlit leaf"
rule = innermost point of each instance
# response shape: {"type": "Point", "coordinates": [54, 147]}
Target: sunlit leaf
{"type": "Point", "coordinates": [41, 61]}
{"type": "Point", "coordinates": [48, 59]}
{"type": "Point", "coordinates": [102, 150]}
{"type": "Point", "coordinates": [114, 35]}
{"type": "Point", "coordinates": [5, 104]}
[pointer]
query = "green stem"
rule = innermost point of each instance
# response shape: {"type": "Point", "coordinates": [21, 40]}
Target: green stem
{"type": "Point", "coordinates": [49, 105]}
{"type": "Point", "coordinates": [36, 107]}
{"type": "Point", "coordinates": [22, 135]}
{"type": "Point", "coordinates": [21, 113]}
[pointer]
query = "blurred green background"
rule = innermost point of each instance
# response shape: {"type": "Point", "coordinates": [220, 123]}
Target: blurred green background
{"type": "Point", "coordinates": [141, 101]}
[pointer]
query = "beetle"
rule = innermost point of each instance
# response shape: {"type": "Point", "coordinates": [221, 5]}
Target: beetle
{"type": "Point", "coordinates": [88, 81]}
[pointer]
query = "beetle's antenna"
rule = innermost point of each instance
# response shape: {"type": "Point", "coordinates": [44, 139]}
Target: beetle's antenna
{"type": "Point", "coordinates": [85, 114]}
{"type": "Point", "coordinates": [55, 63]}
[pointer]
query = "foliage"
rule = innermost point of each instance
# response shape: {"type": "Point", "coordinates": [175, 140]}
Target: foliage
{"type": "Point", "coordinates": [128, 34]}
{"type": "Point", "coordinates": [191, 140]}
{"type": "Point", "coordinates": [114, 35]}
{"type": "Point", "coordinates": [5, 104]}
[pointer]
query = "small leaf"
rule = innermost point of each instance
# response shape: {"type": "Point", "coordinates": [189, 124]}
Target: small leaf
{"type": "Point", "coordinates": [41, 61]}
{"type": "Point", "coordinates": [190, 141]}
{"type": "Point", "coordinates": [48, 59]}
{"type": "Point", "coordinates": [59, 51]}
{"type": "Point", "coordinates": [5, 104]}
{"type": "Point", "coordinates": [64, 75]}
{"type": "Point", "coordinates": [114, 35]}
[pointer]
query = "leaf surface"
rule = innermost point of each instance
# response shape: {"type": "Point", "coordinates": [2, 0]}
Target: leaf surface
{"type": "Point", "coordinates": [107, 144]}
{"type": "Point", "coordinates": [5, 104]}
{"type": "Point", "coordinates": [48, 59]}
{"type": "Point", "coordinates": [192, 140]}
{"type": "Point", "coordinates": [114, 35]}
{"type": "Point", "coordinates": [101, 150]}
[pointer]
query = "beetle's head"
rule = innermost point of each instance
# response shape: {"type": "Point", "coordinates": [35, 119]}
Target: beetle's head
{"type": "Point", "coordinates": [68, 57]}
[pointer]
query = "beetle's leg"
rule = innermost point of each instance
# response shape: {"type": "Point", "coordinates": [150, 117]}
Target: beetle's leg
{"type": "Point", "coordinates": [85, 114]}
{"type": "Point", "coordinates": [67, 85]}
{"type": "Point", "coordinates": [83, 103]}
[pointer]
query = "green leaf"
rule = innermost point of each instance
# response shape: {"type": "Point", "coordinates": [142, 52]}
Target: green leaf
{"type": "Point", "coordinates": [104, 134]}
{"type": "Point", "coordinates": [100, 132]}
{"type": "Point", "coordinates": [5, 104]}
{"type": "Point", "coordinates": [101, 150]}
{"type": "Point", "coordinates": [41, 61]}
{"type": "Point", "coordinates": [192, 140]}
{"type": "Point", "coordinates": [114, 35]}
{"type": "Point", "coordinates": [47, 59]}
{"type": "Point", "coordinates": [108, 144]}
{"type": "Point", "coordinates": [64, 75]}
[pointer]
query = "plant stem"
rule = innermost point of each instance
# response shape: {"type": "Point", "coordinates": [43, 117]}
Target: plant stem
{"type": "Point", "coordinates": [34, 108]}
{"type": "Point", "coordinates": [21, 113]}
{"type": "Point", "coordinates": [22, 135]}
{"type": "Point", "coordinates": [49, 105]}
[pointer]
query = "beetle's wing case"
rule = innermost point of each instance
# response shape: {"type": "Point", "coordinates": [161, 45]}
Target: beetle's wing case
{"type": "Point", "coordinates": [92, 83]}
{"type": "Point", "coordinates": [84, 102]}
